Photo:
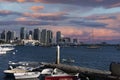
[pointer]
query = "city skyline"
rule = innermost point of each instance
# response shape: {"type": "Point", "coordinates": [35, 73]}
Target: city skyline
{"type": "Point", "coordinates": [74, 18]}
{"type": "Point", "coordinates": [38, 36]}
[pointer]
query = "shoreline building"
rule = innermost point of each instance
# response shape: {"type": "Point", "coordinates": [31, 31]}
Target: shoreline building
{"type": "Point", "coordinates": [22, 33]}
{"type": "Point", "coordinates": [44, 37]}
{"type": "Point", "coordinates": [37, 34]}
{"type": "Point", "coordinates": [49, 37]}
{"type": "Point", "coordinates": [10, 36]}
{"type": "Point", "coordinates": [58, 37]}
{"type": "Point", "coordinates": [4, 36]}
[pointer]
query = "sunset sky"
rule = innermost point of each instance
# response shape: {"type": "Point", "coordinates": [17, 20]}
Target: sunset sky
{"type": "Point", "coordinates": [74, 18]}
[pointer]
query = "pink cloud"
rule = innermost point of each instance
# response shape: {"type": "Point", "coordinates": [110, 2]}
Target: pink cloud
{"type": "Point", "coordinates": [46, 16]}
{"type": "Point", "coordinates": [21, 1]}
{"type": "Point", "coordinates": [112, 20]}
{"type": "Point", "coordinates": [5, 12]}
{"type": "Point", "coordinates": [112, 23]}
{"type": "Point", "coordinates": [43, 14]}
{"type": "Point", "coordinates": [37, 8]}
{"type": "Point", "coordinates": [21, 19]}
{"type": "Point", "coordinates": [111, 30]}
{"type": "Point", "coordinates": [105, 33]}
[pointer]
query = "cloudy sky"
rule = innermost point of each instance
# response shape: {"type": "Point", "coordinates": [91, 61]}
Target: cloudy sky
{"type": "Point", "coordinates": [74, 18]}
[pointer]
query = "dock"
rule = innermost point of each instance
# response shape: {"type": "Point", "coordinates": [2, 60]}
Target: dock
{"type": "Point", "coordinates": [92, 74]}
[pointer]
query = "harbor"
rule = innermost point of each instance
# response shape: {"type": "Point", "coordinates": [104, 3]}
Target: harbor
{"type": "Point", "coordinates": [85, 72]}
{"type": "Point", "coordinates": [59, 39]}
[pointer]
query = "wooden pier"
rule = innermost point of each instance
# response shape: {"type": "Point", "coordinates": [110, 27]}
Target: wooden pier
{"type": "Point", "coordinates": [92, 74]}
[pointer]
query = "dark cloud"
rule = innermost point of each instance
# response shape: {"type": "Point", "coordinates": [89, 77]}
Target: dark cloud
{"type": "Point", "coordinates": [101, 17]}
{"type": "Point", "coordinates": [86, 3]}
{"type": "Point", "coordinates": [40, 16]}
{"type": "Point", "coordinates": [27, 23]}
{"type": "Point", "coordinates": [47, 16]}
{"type": "Point", "coordinates": [53, 18]}
{"type": "Point", "coordinates": [88, 23]}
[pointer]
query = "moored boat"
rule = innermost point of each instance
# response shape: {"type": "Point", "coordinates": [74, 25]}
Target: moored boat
{"type": "Point", "coordinates": [26, 75]}
{"type": "Point", "coordinates": [4, 48]}
{"type": "Point", "coordinates": [18, 73]}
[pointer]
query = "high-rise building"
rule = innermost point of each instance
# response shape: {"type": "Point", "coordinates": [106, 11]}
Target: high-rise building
{"type": "Point", "coordinates": [37, 34]}
{"type": "Point", "coordinates": [30, 32]}
{"type": "Point", "coordinates": [9, 33]}
{"type": "Point", "coordinates": [44, 36]}
{"type": "Point", "coordinates": [27, 35]}
{"type": "Point", "coordinates": [10, 36]}
{"type": "Point", "coordinates": [23, 33]}
{"type": "Point", "coordinates": [58, 37]}
{"type": "Point", "coordinates": [49, 37]}
{"type": "Point", "coordinates": [4, 35]}
{"type": "Point", "coordinates": [13, 35]}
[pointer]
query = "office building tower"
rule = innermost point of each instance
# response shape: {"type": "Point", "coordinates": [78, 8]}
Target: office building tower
{"type": "Point", "coordinates": [27, 35]}
{"type": "Point", "coordinates": [3, 35]}
{"type": "Point", "coordinates": [37, 34]}
{"type": "Point", "coordinates": [23, 33]}
{"type": "Point", "coordinates": [13, 35]}
{"type": "Point", "coordinates": [49, 37]}
{"type": "Point", "coordinates": [58, 37]}
{"type": "Point", "coordinates": [9, 36]}
{"type": "Point", "coordinates": [44, 36]}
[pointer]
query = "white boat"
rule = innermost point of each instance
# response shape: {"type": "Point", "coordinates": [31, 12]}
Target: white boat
{"type": "Point", "coordinates": [2, 51]}
{"type": "Point", "coordinates": [7, 47]}
{"type": "Point", "coordinates": [4, 48]}
{"type": "Point", "coordinates": [26, 75]}
{"type": "Point", "coordinates": [18, 73]}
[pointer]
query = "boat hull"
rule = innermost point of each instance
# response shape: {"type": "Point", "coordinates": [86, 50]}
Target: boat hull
{"type": "Point", "coordinates": [26, 75]}
{"type": "Point", "coordinates": [61, 78]}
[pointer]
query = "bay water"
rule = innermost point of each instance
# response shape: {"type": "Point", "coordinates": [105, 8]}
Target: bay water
{"type": "Point", "coordinates": [84, 57]}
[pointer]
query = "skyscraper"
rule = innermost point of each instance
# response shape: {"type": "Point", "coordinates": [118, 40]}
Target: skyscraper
{"type": "Point", "coordinates": [3, 35]}
{"type": "Point", "coordinates": [10, 36]}
{"type": "Point", "coordinates": [37, 34]}
{"type": "Point", "coordinates": [13, 35]}
{"type": "Point", "coordinates": [58, 37]}
{"type": "Point", "coordinates": [9, 33]}
{"type": "Point", "coordinates": [49, 36]}
{"type": "Point", "coordinates": [44, 36]}
{"type": "Point", "coordinates": [23, 33]}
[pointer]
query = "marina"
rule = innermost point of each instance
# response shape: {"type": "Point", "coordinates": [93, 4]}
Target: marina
{"type": "Point", "coordinates": [59, 39]}
{"type": "Point", "coordinates": [94, 69]}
